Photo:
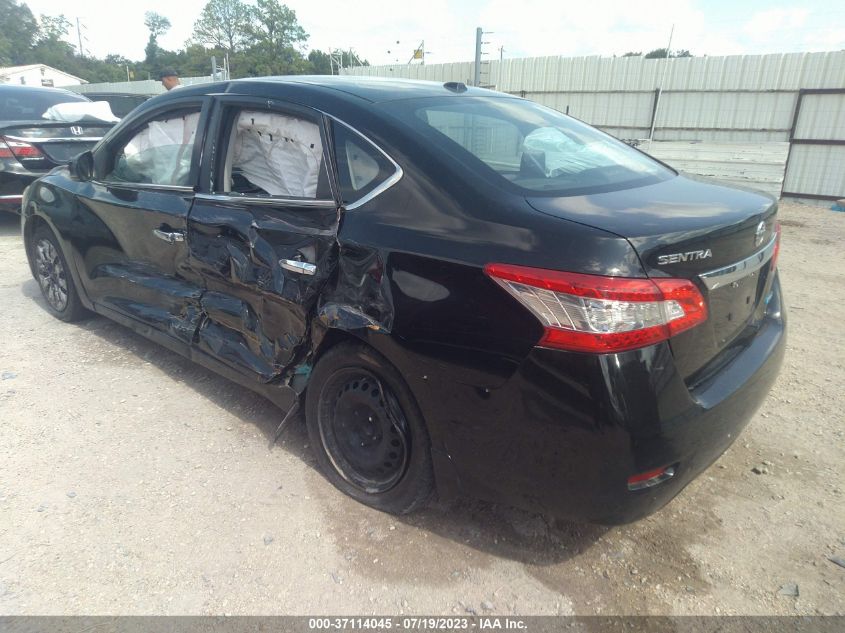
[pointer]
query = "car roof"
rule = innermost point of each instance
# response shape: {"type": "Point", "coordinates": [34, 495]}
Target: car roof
{"type": "Point", "coordinates": [377, 89]}
{"type": "Point", "coordinates": [38, 89]}
{"type": "Point", "coordinates": [369, 89]}
{"type": "Point", "coordinates": [116, 94]}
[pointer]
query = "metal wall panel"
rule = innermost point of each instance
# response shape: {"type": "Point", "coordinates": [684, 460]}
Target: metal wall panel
{"type": "Point", "coordinates": [816, 169]}
{"type": "Point", "coordinates": [787, 71]}
{"type": "Point", "coordinates": [144, 87]}
{"type": "Point", "coordinates": [755, 165]}
{"type": "Point", "coordinates": [735, 98]}
{"type": "Point", "coordinates": [822, 117]}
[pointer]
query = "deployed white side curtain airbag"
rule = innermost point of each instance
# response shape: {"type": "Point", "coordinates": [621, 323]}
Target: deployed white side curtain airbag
{"type": "Point", "coordinates": [162, 150]}
{"type": "Point", "coordinates": [278, 153]}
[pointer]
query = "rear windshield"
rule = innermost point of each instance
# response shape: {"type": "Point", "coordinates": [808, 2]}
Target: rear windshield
{"type": "Point", "coordinates": [21, 104]}
{"type": "Point", "coordinates": [536, 149]}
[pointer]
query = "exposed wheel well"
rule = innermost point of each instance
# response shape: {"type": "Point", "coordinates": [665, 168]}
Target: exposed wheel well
{"type": "Point", "coordinates": [332, 337]}
{"type": "Point", "coordinates": [28, 229]}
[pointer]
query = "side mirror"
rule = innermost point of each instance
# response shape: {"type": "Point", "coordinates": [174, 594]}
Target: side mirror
{"type": "Point", "coordinates": [82, 166]}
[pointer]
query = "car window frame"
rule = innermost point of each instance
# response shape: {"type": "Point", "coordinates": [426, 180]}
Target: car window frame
{"type": "Point", "coordinates": [386, 184]}
{"type": "Point", "coordinates": [107, 152]}
{"type": "Point", "coordinates": [217, 147]}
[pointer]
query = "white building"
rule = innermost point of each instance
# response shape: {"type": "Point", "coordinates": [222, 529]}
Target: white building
{"type": "Point", "coordinates": [38, 75]}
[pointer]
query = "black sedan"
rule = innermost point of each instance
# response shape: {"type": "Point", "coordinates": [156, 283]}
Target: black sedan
{"type": "Point", "coordinates": [466, 291]}
{"type": "Point", "coordinates": [31, 145]}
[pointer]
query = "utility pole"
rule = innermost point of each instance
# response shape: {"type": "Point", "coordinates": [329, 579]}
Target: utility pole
{"type": "Point", "coordinates": [79, 36]}
{"type": "Point", "coordinates": [477, 78]}
{"type": "Point", "coordinates": [660, 87]}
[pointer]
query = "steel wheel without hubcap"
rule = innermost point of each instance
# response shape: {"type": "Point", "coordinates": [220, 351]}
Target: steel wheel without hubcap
{"type": "Point", "coordinates": [363, 430]}
{"type": "Point", "coordinates": [51, 275]}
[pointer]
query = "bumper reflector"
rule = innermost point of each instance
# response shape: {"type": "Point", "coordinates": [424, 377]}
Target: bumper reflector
{"type": "Point", "coordinates": [650, 478]}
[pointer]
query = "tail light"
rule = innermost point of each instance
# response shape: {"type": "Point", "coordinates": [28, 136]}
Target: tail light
{"type": "Point", "coordinates": [776, 252]}
{"type": "Point", "coordinates": [592, 313]}
{"type": "Point", "coordinates": [10, 148]}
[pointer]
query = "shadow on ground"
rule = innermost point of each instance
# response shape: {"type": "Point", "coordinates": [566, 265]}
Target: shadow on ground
{"type": "Point", "coordinates": [497, 530]}
{"type": "Point", "coordinates": [10, 224]}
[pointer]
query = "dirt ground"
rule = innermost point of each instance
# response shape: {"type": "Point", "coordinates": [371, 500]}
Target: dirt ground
{"type": "Point", "coordinates": [133, 482]}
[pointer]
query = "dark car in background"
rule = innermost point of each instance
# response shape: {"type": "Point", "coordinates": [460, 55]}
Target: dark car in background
{"type": "Point", "coordinates": [122, 103]}
{"type": "Point", "coordinates": [30, 145]}
{"type": "Point", "coordinates": [466, 290]}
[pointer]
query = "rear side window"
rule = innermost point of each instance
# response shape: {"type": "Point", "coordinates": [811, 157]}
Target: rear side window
{"type": "Point", "coordinates": [535, 149]}
{"type": "Point", "coordinates": [361, 167]}
{"type": "Point", "coordinates": [160, 153]}
{"type": "Point", "coordinates": [19, 104]}
{"type": "Point", "coordinates": [273, 154]}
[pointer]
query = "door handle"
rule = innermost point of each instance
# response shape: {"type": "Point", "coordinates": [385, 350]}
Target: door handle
{"type": "Point", "coordinates": [297, 266]}
{"type": "Point", "coordinates": [171, 237]}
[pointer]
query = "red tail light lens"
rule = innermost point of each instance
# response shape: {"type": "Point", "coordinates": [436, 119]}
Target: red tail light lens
{"type": "Point", "coordinates": [776, 252]}
{"type": "Point", "coordinates": [592, 313]}
{"type": "Point", "coordinates": [18, 149]}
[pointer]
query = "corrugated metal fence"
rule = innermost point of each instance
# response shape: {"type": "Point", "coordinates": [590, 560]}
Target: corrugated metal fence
{"type": "Point", "coordinates": [748, 100]}
{"type": "Point", "coordinates": [143, 87]}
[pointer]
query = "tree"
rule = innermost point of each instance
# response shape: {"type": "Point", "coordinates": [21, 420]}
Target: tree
{"type": "Point", "coordinates": [18, 30]}
{"type": "Point", "coordinates": [275, 26]}
{"type": "Point", "coordinates": [662, 53]}
{"type": "Point", "coordinates": [322, 65]}
{"type": "Point", "coordinates": [633, 54]}
{"type": "Point", "coordinates": [52, 28]}
{"type": "Point", "coordinates": [224, 24]}
{"type": "Point", "coordinates": [157, 25]}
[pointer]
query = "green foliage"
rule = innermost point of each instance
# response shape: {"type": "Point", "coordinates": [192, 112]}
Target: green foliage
{"type": "Point", "coordinates": [661, 53]}
{"type": "Point", "coordinates": [321, 63]}
{"type": "Point", "coordinates": [261, 39]}
{"type": "Point", "coordinates": [633, 54]}
{"type": "Point", "coordinates": [275, 27]}
{"type": "Point", "coordinates": [156, 24]}
{"type": "Point", "coordinates": [224, 24]}
{"type": "Point", "coordinates": [18, 30]}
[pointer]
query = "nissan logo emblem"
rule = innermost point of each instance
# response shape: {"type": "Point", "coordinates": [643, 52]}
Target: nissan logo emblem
{"type": "Point", "coordinates": [759, 234]}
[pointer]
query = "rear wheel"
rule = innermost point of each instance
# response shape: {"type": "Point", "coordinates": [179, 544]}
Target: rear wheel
{"type": "Point", "coordinates": [367, 431]}
{"type": "Point", "coordinates": [53, 276]}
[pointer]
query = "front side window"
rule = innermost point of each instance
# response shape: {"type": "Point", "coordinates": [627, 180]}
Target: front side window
{"type": "Point", "coordinates": [160, 153]}
{"type": "Point", "coordinates": [361, 167]}
{"type": "Point", "coordinates": [535, 149]}
{"type": "Point", "coordinates": [274, 154]}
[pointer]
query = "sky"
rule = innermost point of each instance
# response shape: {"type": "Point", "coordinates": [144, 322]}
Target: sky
{"type": "Point", "coordinates": [386, 32]}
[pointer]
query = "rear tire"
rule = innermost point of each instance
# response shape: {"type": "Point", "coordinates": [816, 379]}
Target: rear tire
{"type": "Point", "coordinates": [51, 271]}
{"type": "Point", "coordinates": [368, 434]}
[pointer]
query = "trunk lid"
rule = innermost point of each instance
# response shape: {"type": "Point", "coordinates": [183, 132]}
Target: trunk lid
{"type": "Point", "coordinates": [699, 230]}
{"type": "Point", "coordinates": [58, 142]}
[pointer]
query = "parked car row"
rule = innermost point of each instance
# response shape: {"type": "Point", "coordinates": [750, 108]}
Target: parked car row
{"type": "Point", "coordinates": [31, 145]}
{"type": "Point", "coordinates": [467, 292]}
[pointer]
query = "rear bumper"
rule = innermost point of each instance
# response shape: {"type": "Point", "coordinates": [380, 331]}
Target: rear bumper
{"type": "Point", "coordinates": [567, 430]}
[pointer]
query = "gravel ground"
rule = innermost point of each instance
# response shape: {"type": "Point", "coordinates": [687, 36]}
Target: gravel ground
{"type": "Point", "coordinates": [133, 482]}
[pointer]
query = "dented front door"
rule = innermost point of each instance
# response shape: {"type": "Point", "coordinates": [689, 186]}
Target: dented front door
{"type": "Point", "coordinates": [263, 261]}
